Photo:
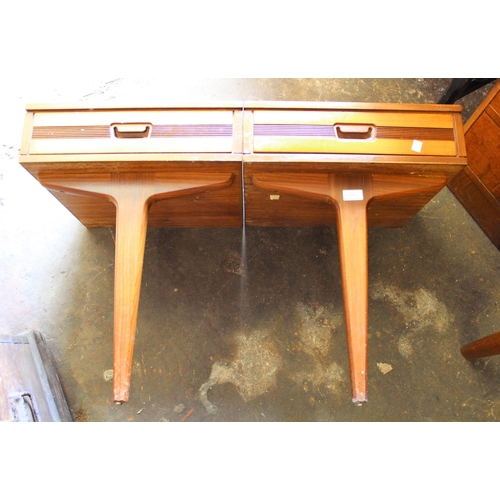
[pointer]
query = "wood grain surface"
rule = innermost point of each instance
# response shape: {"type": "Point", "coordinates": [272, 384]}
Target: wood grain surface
{"type": "Point", "coordinates": [477, 186]}
{"type": "Point", "coordinates": [280, 163]}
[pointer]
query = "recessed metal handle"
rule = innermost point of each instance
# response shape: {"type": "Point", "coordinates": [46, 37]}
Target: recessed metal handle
{"type": "Point", "coordinates": [358, 132]}
{"type": "Point", "coordinates": [132, 130]}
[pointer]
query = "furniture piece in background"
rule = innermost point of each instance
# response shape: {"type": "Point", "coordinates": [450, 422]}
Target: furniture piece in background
{"type": "Point", "coordinates": [30, 390]}
{"type": "Point", "coordinates": [460, 87]}
{"type": "Point", "coordinates": [477, 186]}
{"type": "Point", "coordinates": [303, 164]}
{"type": "Point", "coordinates": [483, 347]}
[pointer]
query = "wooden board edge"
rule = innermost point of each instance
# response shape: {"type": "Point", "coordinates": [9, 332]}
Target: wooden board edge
{"type": "Point", "coordinates": [321, 158]}
{"type": "Point", "coordinates": [240, 105]}
{"type": "Point", "coordinates": [131, 157]}
{"type": "Point", "coordinates": [482, 106]}
{"type": "Point", "coordinates": [237, 131]}
{"type": "Point", "coordinates": [127, 105]}
{"type": "Point", "coordinates": [27, 133]}
{"type": "Point", "coordinates": [247, 132]}
{"type": "Point", "coordinates": [375, 106]}
{"type": "Point", "coordinates": [48, 377]}
{"type": "Point", "coordinates": [458, 130]}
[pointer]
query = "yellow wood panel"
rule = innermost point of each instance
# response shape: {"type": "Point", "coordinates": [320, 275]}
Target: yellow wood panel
{"type": "Point", "coordinates": [169, 117]}
{"type": "Point", "coordinates": [27, 131]}
{"type": "Point", "coordinates": [332, 145]}
{"type": "Point", "coordinates": [379, 118]}
{"type": "Point", "coordinates": [160, 145]}
{"type": "Point", "coordinates": [352, 106]}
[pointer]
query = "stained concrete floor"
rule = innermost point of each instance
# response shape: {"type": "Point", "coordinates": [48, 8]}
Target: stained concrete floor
{"type": "Point", "coordinates": [248, 325]}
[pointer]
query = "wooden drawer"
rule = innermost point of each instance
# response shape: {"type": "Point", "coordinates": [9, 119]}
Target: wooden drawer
{"type": "Point", "coordinates": [132, 131]}
{"type": "Point", "coordinates": [351, 128]}
{"type": "Point", "coordinates": [308, 141]}
{"type": "Point", "coordinates": [181, 142]}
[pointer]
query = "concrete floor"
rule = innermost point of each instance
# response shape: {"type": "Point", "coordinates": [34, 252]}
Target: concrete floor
{"type": "Point", "coordinates": [259, 311]}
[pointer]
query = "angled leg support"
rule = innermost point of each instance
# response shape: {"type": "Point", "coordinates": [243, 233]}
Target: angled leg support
{"type": "Point", "coordinates": [132, 195]}
{"type": "Point", "coordinates": [351, 194]}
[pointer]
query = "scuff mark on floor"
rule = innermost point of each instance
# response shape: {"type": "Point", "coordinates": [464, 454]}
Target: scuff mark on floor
{"type": "Point", "coordinates": [405, 346]}
{"type": "Point", "coordinates": [258, 361]}
{"type": "Point", "coordinates": [253, 371]}
{"type": "Point", "coordinates": [314, 331]}
{"type": "Point", "coordinates": [421, 311]}
{"type": "Point", "coordinates": [232, 262]}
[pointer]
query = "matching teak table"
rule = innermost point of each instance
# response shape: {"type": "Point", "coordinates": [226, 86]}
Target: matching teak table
{"type": "Point", "coordinates": [228, 164]}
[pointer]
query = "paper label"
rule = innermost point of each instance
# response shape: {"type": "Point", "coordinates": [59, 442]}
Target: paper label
{"type": "Point", "coordinates": [352, 195]}
{"type": "Point", "coordinates": [417, 146]}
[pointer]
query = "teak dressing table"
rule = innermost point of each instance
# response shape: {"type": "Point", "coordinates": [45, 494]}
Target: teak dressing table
{"type": "Point", "coordinates": [352, 165]}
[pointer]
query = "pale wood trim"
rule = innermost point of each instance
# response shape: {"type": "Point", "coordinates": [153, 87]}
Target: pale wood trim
{"type": "Point", "coordinates": [375, 106]}
{"type": "Point", "coordinates": [27, 133]}
{"type": "Point", "coordinates": [117, 105]}
{"type": "Point", "coordinates": [159, 117]}
{"type": "Point", "coordinates": [156, 145]}
{"type": "Point", "coordinates": [248, 131]}
{"type": "Point", "coordinates": [380, 119]}
{"type": "Point", "coordinates": [237, 131]}
{"type": "Point", "coordinates": [459, 136]}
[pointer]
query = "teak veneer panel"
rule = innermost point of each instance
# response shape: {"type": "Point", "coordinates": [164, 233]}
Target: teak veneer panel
{"type": "Point", "coordinates": [477, 186]}
{"type": "Point", "coordinates": [221, 208]}
{"type": "Point", "coordinates": [297, 163]}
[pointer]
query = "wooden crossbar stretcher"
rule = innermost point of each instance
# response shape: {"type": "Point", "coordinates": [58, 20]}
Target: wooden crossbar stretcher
{"type": "Point", "coordinates": [352, 165]}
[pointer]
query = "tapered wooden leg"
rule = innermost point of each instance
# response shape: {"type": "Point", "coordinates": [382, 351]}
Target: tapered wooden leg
{"type": "Point", "coordinates": [351, 195]}
{"type": "Point", "coordinates": [132, 193]}
{"type": "Point", "coordinates": [485, 346]}
{"type": "Point", "coordinates": [131, 225]}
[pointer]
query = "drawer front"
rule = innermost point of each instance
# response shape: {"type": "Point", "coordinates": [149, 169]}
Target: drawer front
{"type": "Point", "coordinates": [157, 131]}
{"type": "Point", "coordinates": [354, 132]}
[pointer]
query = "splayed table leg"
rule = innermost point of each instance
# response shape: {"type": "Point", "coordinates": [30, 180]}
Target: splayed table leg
{"type": "Point", "coordinates": [132, 193]}
{"type": "Point", "coordinates": [351, 195]}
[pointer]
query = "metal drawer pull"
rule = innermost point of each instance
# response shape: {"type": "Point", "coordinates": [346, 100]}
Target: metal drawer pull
{"type": "Point", "coordinates": [359, 132]}
{"type": "Point", "coordinates": [132, 130]}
